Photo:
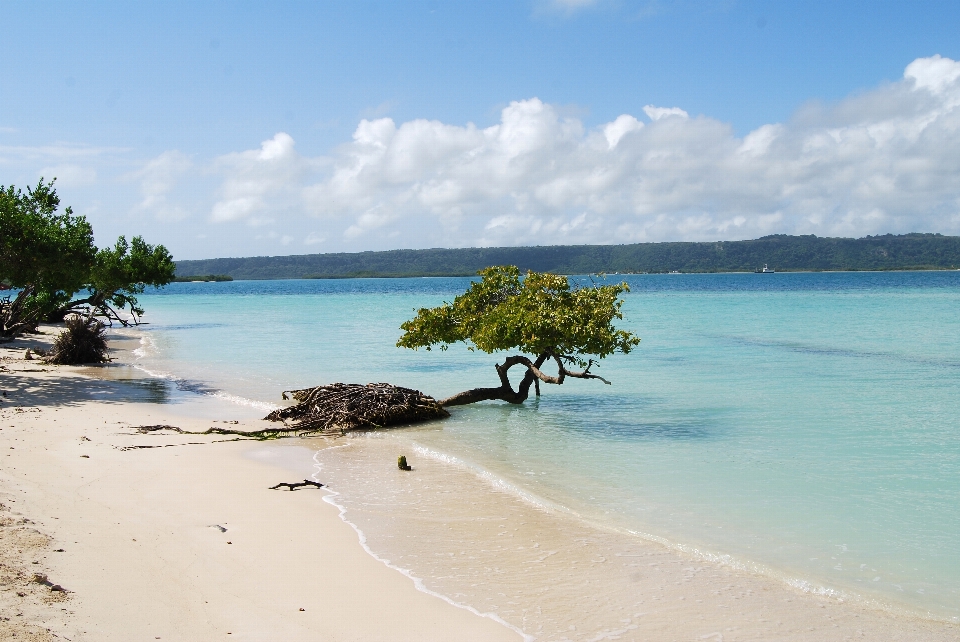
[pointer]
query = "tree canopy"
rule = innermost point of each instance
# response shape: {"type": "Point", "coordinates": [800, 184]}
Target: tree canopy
{"type": "Point", "coordinates": [51, 256]}
{"type": "Point", "coordinates": [39, 247]}
{"type": "Point", "coordinates": [121, 272]}
{"type": "Point", "coordinates": [538, 314]}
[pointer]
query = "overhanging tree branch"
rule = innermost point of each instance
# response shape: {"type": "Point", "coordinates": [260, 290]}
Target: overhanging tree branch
{"type": "Point", "coordinates": [538, 314]}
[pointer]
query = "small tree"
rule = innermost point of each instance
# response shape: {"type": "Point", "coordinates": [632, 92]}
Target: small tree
{"type": "Point", "coordinates": [538, 315]}
{"type": "Point", "coordinates": [50, 257]}
{"type": "Point", "coordinates": [45, 254]}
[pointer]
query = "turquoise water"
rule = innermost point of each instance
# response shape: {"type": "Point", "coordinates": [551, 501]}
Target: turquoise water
{"type": "Point", "coordinates": [806, 425]}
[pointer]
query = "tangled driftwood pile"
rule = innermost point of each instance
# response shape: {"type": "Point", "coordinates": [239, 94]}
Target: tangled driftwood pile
{"type": "Point", "coordinates": [351, 406]}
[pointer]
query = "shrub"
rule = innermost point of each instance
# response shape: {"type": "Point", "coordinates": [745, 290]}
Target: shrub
{"type": "Point", "coordinates": [82, 341]}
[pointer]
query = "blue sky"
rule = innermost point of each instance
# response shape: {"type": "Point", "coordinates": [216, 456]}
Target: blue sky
{"type": "Point", "coordinates": [226, 129]}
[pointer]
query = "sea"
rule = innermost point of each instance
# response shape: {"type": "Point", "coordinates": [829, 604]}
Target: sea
{"type": "Point", "coordinates": [804, 426]}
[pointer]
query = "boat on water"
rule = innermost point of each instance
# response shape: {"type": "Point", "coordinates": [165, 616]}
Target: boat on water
{"type": "Point", "coordinates": [765, 270]}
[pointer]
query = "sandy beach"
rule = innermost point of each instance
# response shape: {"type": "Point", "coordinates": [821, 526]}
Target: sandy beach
{"type": "Point", "coordinates": [107, 533]}
{"type": "Point", "coordinates": [177, 543]}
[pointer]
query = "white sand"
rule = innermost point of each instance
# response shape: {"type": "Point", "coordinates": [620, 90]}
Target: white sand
{"type": "Point", "coordinates": [142, 557]}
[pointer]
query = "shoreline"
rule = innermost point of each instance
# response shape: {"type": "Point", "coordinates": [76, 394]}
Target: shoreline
{"type": "Point", "coordinates": [556, 571]}
{"type": "Point", "coordinates": [458, 275]}
{"type": "Point", "coordinates": [694, 552]}
{"type": "Point", "coordinates": [173, 537]}
{"type": "Point", "coordinates": [763, 605]}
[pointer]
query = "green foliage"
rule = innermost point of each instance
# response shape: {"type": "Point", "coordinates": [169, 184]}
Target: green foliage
{"type": "Point", "coordinates": [539, 313]}
{"type": "Point", "coordinates": [39, 247]}
{"type": "Point", "coordinates": [52, 257]}
{"type": "Point", "coordinates": [123, 271]}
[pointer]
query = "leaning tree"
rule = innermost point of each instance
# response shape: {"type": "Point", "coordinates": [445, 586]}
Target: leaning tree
{"type": "Point", "coordinates": [539, 315]}
{"type": "Point", "coordinates": [50, 257]}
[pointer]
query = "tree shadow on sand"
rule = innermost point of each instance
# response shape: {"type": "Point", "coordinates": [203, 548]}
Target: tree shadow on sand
{"type": "Point", "coordinates": [24, 389]}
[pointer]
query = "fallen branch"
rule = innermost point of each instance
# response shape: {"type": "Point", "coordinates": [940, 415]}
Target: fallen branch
{"type": "Point", "coordinates": [296, 485]}
{"type": "Point", "coordinates": [258, 435]}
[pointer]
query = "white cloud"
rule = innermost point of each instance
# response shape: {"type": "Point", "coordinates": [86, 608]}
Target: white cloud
{"type": "Point", "coordinates": [69, 174]}
{"type": "Point", "coordinates": [887, 160]}
{"type": "Point", "coordinates": [624, 124]}
{"type": "Point", "coordinates": [57, 152]}
{"type": "Point", "coordinates": [656, 113]}
{"type": "Point", "coordinates": [158, 178]}
{"type": "Point", "coordinates": [935, 73]}
{"type": "Point", "coordinates": [258, 184]}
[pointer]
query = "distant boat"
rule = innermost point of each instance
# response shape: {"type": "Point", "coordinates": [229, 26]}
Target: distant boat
{"type": "Point", "coordinates": [765, 270]}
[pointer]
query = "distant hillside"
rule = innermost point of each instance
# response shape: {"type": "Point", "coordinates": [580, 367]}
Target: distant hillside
{"type": "Point", "coordinates": [780, 252]}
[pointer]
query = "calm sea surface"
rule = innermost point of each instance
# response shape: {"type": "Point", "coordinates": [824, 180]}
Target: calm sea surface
{"type": "Point", "coordinates": [807, 425]}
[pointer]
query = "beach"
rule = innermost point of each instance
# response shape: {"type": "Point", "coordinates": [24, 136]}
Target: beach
{"type": "Point", "coordinates": [177, 543]}
{"type": "Point", "coordinates": [179, 537]}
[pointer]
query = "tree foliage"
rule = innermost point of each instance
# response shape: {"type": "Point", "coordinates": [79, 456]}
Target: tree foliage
{"type": "Point", "coordinates": [121, 272]}
{"type": "Point", "coordinates": [51, 256]}
{"type": "Point", "coordinates": [539, 314]}
{"type": "Point", "coordinates": [40, 248]}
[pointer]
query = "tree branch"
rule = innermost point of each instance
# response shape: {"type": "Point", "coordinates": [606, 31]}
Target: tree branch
{"type": "Point", "coordinates": [585, 374]}
{"type": "Point", "coordinates": [533, 376]}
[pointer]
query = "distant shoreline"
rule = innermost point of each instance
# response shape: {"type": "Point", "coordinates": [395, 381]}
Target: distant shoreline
{"type": "Point", "coordinates": [341, 277]}
{"type": "Point", "coordinates": [783, 253]}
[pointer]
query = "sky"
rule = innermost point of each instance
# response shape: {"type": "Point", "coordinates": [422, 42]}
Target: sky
{"type": "Point", "coordinates": [272, 128]}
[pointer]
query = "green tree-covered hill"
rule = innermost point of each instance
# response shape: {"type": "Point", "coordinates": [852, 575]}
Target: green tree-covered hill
{"type": "Point", "coordinates": [781, 252]}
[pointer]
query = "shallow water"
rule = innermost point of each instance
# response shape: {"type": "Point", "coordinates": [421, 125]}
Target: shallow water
{"type": "Point", "coordinates": [803, 425]}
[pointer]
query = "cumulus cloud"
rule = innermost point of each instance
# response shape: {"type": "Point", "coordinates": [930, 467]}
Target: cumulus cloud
{"type": "Point", "coordinates": [624, 124]}
{"type": "Point", "coordinates": [259, 184]}
{"type": "Point", "coordinates": [887, 160]}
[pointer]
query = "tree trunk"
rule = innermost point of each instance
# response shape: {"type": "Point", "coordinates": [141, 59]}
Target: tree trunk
{"type": "Point", "coordinates": [533, 375]}
{"type": "Point", "coordinates": [15, 317]}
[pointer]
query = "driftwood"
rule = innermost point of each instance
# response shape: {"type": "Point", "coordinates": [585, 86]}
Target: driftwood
{"type": "Point", "coordinates": [351, 406]}
{"type": "Point", "coordinates": [296, 485]}
{"type": "Point", "coordinates": [260, 435]}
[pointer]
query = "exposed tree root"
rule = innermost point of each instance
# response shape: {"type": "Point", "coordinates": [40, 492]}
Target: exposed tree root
{"type": "Point", "coordinates": [331, 409]}
{"type": "Point", "coordinates": [339, 407]}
